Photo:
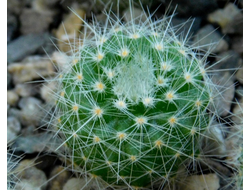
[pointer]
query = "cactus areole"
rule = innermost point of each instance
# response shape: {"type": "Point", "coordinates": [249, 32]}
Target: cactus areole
{"type": "Point", "coordinates": [132, 103]}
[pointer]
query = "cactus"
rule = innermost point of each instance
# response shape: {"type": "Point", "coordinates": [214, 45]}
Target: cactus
{"type": "Point", "coordinates": [132, 103]}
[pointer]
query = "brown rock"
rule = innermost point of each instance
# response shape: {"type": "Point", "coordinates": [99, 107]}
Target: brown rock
{"type": "Point", "coordinates": [68, 31]}
{"type": "Point", "coordinates": [201, 182]}
{"type": "Point", "coordinates": [30, 176]}
{"type": "Point", "coordinates": [12, 98]}
{"type": "Point", "coordinates": [33, 67]}
{"type": "Point", "coordinates": [59, 176]}
{"type": "Point", "coordinates": [230, 19]}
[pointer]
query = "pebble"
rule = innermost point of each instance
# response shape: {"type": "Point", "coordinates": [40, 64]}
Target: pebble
{"type": "Point", "coordinates": [46, 92]}
{"type": "Point", "coordinates": [61, 59]}
{"type": "Point", "coordinates": [30, 177]}
{"type": "Point", "coordinates": [74, 184]}
{"type": "Point", "coordinates": [67, 32]}
{"type": "Point", "coordinates": [238, 113]}
{"type": "Point", "coordinates": [215, 144]}
{"type": "Point", "coordinates": [224, 94]}
{"type": "Point", "coordinates": [48, 47]}
{"type": "Point", "coordinates": [239, 91]}
{"type": "Point", "coordinates": [13, 128]}
{"type": "Point", "coordinates": [23, 46]}
{"type": "Point", "coordinates": [31, 68]}
{"type": "Point", "coordinates": [201, 182]}
{"type": "Point", "coordinates": [25, 90]}
{"type": "Point", "coordinates": [79, 183]}
{"type": "Point", "coordinates": [230, 19]}
{"type": "Point", "coordinates": [31, 111]}
{"type": "Point", "coordinates": [29, 130]}
{"type": "Point", "coordinates": [44, 5]}
{"type": "Point", "coordinates": [229, 61]}
{"type": "Point", "coordinates": [237, 44]}
{"type": "Point", "coordinates": [239, 75]}
{"type": "Point", "coordinates": [207, 36]}
{"type": "Point", "coordinates": [33, 143]}
{"type": "Point", "coordinates": [12, 97]}
{"type": "Point", "coordinates": [59, 176]}
{"type": "Point", "coordinates": [34, 22]}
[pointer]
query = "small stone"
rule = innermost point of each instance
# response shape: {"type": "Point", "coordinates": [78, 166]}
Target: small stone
{"type": "Point", "coordinates": [239, 75]}
{"type": "Point", "coordinates": [29, 103]}
{"type": "Point", "coordinates": [238, 113]}
{"type": "Point", "coordinates": [31, 68]}
{"type": "Point", "coordinates": [47, 92]}
{"type": "Point", "coordinates": [44, 5]}
{"type": "Point", "coordinates": [201, 182]}
{"type": "Point", "coordinates": [34, 22]}
{"type": "Point", "coordinates": [31, 112]}
{"type": "Point", "coordinates": [25, 90]}
{"type": "Point", "coordinates": [74, 184]}
{"type": "Point", "coordinates": [48, 47]}
{"type": "Point", "coordinates": [228, 61]}
{"type": "Point", "coordinates": [68, 30]}
{"type": "Point", "coordinates": [14, 113]}
{"type": "Point", "coordinates": [230, 19]}
{"type": "Point", "coordinates": [239, 92]}
{"type": "Point", "coordinates": [208, 36]}
{"type": "Point", "coordinates": [13, 128]}
{"type": "Point", "coordinates": [29, 130]}
{"type": "Point", "coordinates": [237, 44]}
{"type": "Point", "coordinates": [33, 143]}
{"type": "Point", "coordinates": [60, 59]}
{"type": "Point", "coordinates": [59, 176]}
{"type": "Point", "coordinates": [12, 98]}
{"type": "Point", "coordinates": [79, 183]}
{"type": "Point", "coordinates": [30, 177]}
{"type": "Point", "coordinates": [23, 46]}
{"type": "Point", "coordinates": [215, 144]}
{"type": "Point", "coordinates": [225, 93]}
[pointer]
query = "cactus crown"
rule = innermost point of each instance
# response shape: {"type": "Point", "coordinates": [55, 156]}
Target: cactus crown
{"type": "Point", "coordinates": [132, 103]}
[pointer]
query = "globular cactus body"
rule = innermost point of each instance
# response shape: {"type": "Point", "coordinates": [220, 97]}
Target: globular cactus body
{"type": "Point", "coordinates": [132, 103]}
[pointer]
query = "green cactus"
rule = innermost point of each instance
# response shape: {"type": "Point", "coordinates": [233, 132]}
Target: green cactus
{"type": "Point", "coordinates": [132, 104]}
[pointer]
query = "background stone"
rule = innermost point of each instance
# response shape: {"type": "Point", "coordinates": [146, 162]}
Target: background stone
{"type": "Point", "coordinates": [34, 22]}
{"type": "Point", "coordinates": [23, 46]}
